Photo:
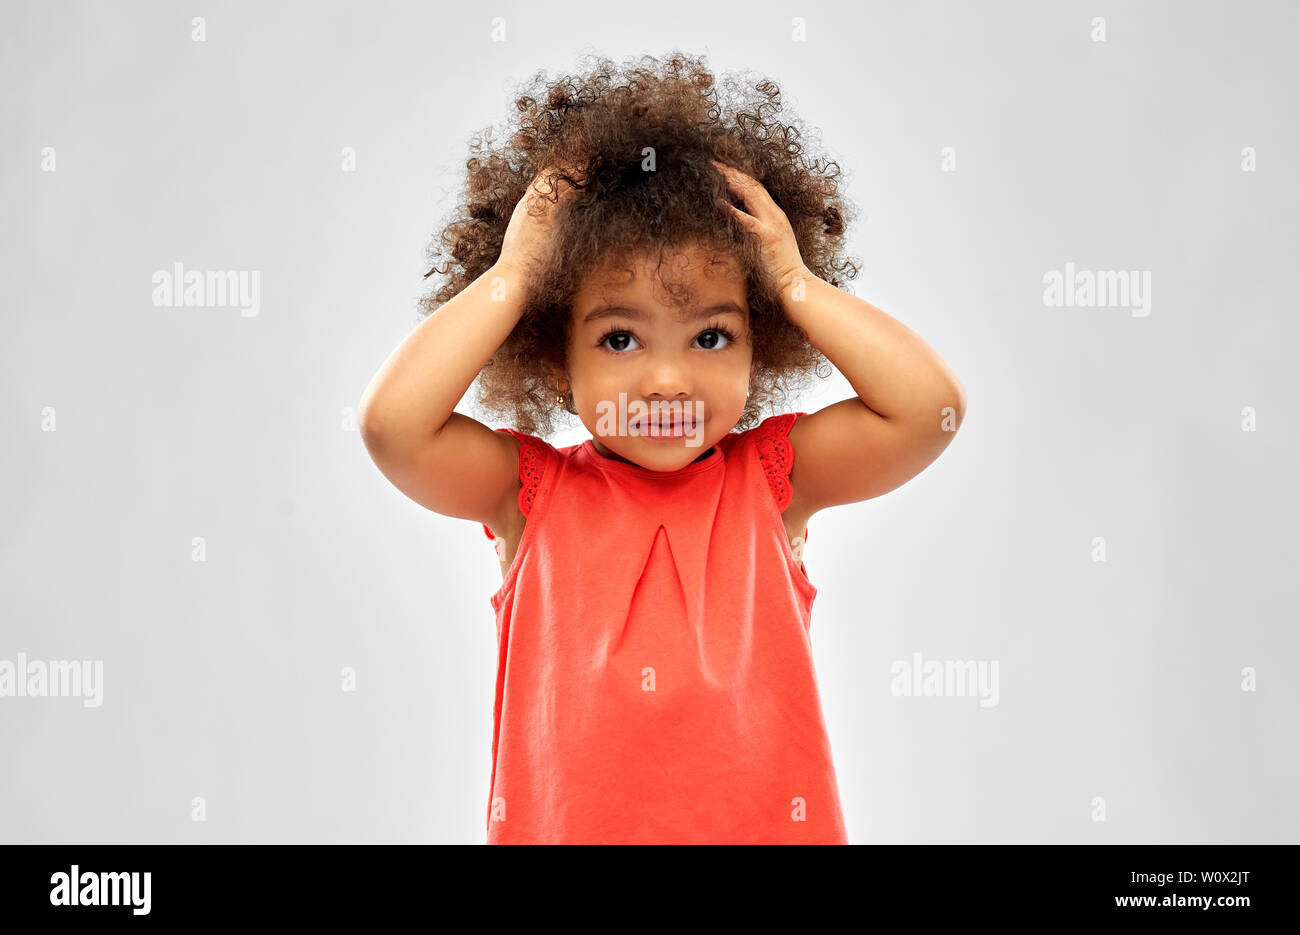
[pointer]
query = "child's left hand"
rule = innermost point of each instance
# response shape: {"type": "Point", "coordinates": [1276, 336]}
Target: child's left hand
{"type": "Point", "coordinates": [768, 222]}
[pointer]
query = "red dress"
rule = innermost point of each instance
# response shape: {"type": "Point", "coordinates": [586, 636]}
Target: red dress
{"type": "Point", "coordinates": [655, 678]}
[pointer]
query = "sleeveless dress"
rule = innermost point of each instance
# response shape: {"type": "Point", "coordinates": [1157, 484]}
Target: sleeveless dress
{"type": "Point", "coordinates": [655, 679]}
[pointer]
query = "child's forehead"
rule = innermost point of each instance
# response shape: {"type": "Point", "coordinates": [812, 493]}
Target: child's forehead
{"type": "Point", "coordinates": [638, 302]}
{"type": "Point", "coordinates": [680, 283]}
{"type": "Point", "coordinates": [684, 263]}
{"type": "Point", "coordinates": [685, 314]}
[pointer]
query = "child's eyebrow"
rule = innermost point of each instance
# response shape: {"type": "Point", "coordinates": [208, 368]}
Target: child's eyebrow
{"type": "Point", "coordinates": [636, 314]}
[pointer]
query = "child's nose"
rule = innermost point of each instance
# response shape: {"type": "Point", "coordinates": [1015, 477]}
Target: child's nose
{"type": "Point", "coordinates": [667, 378]}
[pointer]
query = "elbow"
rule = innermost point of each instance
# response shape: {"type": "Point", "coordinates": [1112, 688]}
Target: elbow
{"type": "Point", "coordinates": [371, 424]}
{"type": "Point", "coordinates": [959, 395]}
{"type": "Point", "coordinates": [951, 406]}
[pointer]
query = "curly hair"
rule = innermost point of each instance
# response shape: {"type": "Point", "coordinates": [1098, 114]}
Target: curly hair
{"type": "Point", "coordinates": [606, 127]}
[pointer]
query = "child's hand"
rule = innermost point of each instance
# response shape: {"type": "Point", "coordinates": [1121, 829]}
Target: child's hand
{"type": "Point", "coordinates": [768, 222]}
{"type": "Point", "coordinates": [529, 231]}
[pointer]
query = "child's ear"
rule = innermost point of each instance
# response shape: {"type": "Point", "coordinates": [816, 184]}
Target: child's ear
{"type": "Point", "coordinates": [557, 378]}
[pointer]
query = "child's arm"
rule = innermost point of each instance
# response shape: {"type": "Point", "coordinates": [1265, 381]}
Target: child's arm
{"type": "Point", "coordinates": [909, 403]}
{"type": "Point", "coordinates": [907, 411]}
{"type": "Point", "coordinates": [443, 460]}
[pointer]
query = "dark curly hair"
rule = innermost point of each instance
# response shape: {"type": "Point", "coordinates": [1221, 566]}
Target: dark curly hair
{"type": "Point", "coordinates": [601, 127]}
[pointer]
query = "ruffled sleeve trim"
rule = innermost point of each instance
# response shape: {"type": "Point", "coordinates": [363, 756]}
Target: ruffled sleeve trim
{"type": "Point", "coordinates": [533, 453]}
{"type": "Point", "coordinates": [777, 454]}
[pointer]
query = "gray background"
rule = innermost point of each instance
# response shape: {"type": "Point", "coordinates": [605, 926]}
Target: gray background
{"type": "Point", "coordinates": [1119, 681]}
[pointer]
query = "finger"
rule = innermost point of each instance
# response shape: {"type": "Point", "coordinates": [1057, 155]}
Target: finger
{"type": "Point", "coordinates": [748, 189]}
{"type": "Point", "coordinates": [746, 221]}
{"type": "Point", "coordinates": [734, 186]}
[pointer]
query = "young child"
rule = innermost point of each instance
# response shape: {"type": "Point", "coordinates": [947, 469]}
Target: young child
{"type": "Point", "coordinates": [662, 263]}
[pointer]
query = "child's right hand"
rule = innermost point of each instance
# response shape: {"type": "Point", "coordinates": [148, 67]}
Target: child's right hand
{"type": "Point", "coordinates": [528, 234]}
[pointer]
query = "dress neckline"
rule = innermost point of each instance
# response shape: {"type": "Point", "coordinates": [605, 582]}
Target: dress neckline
{"type": "Point", "coordinates": [714, 458]}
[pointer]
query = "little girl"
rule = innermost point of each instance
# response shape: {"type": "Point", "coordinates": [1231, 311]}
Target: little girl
{"type": "Point", "coordinates": [660, 263]}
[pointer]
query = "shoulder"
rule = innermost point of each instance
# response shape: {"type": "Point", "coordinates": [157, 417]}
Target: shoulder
{"type": "Point", "coordinates": [773, 427]}
{"type": "Point", "coordinates": [538, 460]}
{"type": "Point", "coordinates": [768, 444]}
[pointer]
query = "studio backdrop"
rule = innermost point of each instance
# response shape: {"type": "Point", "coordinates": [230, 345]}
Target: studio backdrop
{"type": "Point", "coordinates": [219, 622]}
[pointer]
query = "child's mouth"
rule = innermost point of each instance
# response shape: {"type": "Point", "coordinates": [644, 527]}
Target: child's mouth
{"type": "Point", "coordinates": [664, 428]}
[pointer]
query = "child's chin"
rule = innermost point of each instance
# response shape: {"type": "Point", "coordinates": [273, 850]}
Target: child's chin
{"type": "Point", "coordinates": [665, 454]}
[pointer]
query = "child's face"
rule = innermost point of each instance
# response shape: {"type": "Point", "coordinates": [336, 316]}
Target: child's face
{"type": "Point", "coordinates": [654, 356]}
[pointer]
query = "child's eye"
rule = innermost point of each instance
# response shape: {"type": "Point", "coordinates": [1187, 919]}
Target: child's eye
{"type": "Point", "coordinates": [712, 335]}
{"type": "Point", "coordinates": [715, 338]}
{"type": "Point", "coordinates": [618, 336]}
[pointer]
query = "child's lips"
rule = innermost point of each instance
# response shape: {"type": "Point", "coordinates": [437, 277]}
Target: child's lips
{"type": "Point", "coordinates": [665, 426]}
